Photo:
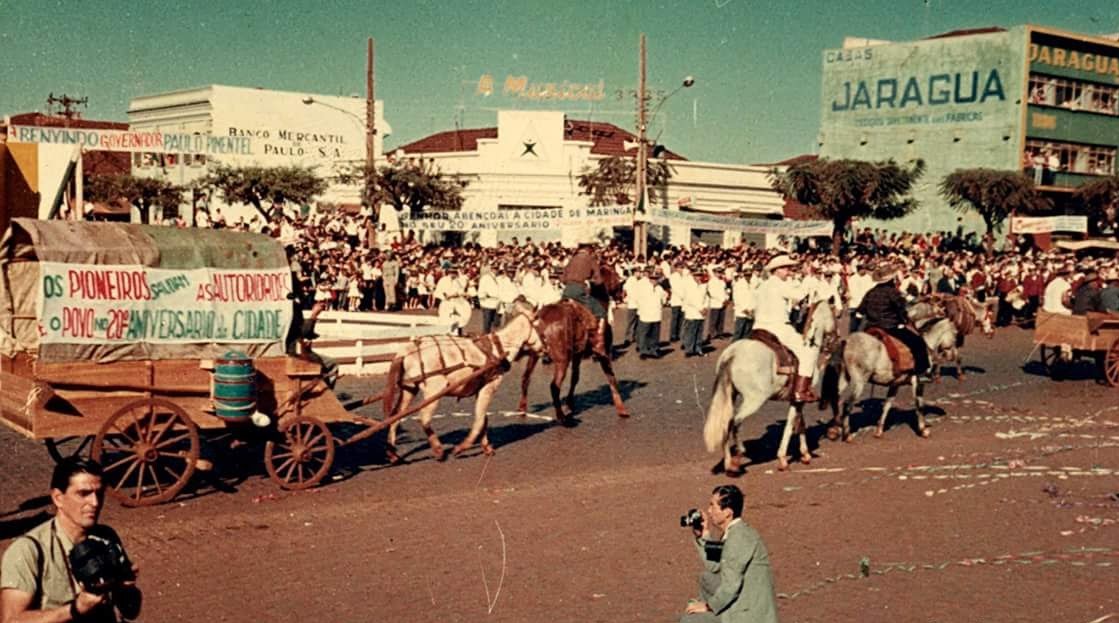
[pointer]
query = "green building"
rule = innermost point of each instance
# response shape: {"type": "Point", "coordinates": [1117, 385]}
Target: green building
{"type": "Point", "coordinates": [1028, 98]}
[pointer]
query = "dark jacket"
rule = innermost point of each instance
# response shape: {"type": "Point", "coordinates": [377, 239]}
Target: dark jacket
{"type": "Point", "coordinates": [582, 267]}
{"type": "Point", "coordinates": [1086, 298]}
{"type": "Point", "coordinates": [884, 307]}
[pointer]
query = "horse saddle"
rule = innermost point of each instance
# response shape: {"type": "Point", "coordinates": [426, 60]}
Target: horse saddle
{"type": "Point", "coordinates": [900, 356]}
{"type": "Point", "coordinates": [786, 360]}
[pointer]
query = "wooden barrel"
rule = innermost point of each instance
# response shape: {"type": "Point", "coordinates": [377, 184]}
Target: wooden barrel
{"type": "Point", "coordinates": [234, 387]}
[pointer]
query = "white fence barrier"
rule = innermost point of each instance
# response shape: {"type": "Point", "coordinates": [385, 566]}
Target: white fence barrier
{"type": "Point", "coordinates": [364, 343]}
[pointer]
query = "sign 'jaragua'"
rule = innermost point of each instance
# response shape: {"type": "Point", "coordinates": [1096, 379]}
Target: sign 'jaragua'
{"type": "Point", "coordinates": [937, 89]}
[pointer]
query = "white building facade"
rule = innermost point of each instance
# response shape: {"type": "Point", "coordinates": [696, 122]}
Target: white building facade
{"type": "Point", "coordinates": [532, 161]}
{"type": "Point", "coordinates": [257, 127]}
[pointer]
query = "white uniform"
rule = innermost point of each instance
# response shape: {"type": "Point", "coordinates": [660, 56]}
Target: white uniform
{"type": "Point", "coordinates": [487, 291]}
{"type": "Point", "coordinates": [676, 284]}
{"type": "Point", "coordinates": [1054, 296]}
{"type": "Point", "coordinates": [454, 309]}
{"type": "Point", "coordinates": [775, 298]}
{"type": "Point", "coordinates": [716, 292]}
{"type": "Point", "coordinates": [857, 287]}
{"type": "Point", "coordinates": [694, 299]}
{"type": "Point", "coordinates": [531, 285]}
{"type": "Point", "coordinates": [648, 299]}
{"type": "Point", "coordinates": [743, 295]}
{"type": "Point", "coordinates": [507, 292]}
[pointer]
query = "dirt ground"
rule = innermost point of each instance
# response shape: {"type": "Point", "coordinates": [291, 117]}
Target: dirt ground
{"type": "Point", "coordinates": [1007, 513]}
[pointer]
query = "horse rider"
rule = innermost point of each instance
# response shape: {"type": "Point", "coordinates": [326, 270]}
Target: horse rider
{"type": "Point", "coordinates": [582, 271]}
{"type": "Point", "coordinates": [774, 299]}
{"type": "Point", "coordinates": [884, 307]}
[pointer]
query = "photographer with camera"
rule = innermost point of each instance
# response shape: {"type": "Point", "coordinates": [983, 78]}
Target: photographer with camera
{"type": "Point", "coordinates": [737, 583]}
{"type": "Point", "coordinates": [69, 568]}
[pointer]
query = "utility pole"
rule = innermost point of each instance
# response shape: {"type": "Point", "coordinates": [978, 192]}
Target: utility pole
{"type": "Point", "coordinates": [370, 132]}
{"type": "Point", "coordinates": [640, 235]}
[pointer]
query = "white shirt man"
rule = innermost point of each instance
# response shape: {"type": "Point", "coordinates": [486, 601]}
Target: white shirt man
{"type": "Point", "coordinates": [743, 293]}
{"type": "Point", "coordinates": [531, 285]}
{"type": "Point", "coordinates": [694, 299]}
{"type": "Point", "coordinates": [507, 291]}
{"type": "Point", "coordinates": [1053, 299]}
{"type": "Point", "coordinates": [775, 298]}
{"type": "Point", "coordinates": [450, 291]}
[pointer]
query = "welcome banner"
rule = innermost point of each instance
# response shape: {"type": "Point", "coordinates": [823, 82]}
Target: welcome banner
{"type": "Point", "coordinates": [701, 220]}
{"type": "Point", "coordinates": [519, 219]}
{"type": "Point", "coordinates": [1048, 224]}
{"type": "Point", "coordinates": [129, 304]}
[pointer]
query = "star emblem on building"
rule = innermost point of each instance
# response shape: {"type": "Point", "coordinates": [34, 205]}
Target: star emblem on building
{"type": "Point", "coordinates": [530, 149]}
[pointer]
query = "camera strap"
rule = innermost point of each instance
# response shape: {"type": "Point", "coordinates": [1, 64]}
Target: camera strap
{"type": "Point", "coordinates": [65, 560]}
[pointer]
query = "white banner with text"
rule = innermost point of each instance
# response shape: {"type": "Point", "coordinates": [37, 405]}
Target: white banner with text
{"type": "Point", "coordinates": [1047, 224]}
{"type": "Point", "coordinates": [94, 304]}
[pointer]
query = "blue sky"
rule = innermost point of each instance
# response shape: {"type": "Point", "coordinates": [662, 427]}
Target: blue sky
{"type": "Point", "coordinates": [756, 63]}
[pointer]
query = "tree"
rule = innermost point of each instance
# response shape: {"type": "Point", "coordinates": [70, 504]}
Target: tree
{"type": "Point", "coordinates": [142, 192]}
{"type": "Point", "coordinates": [614, 180]}
{"type": "Point", "coordinates": [1100, 199]}
{"type": "Point", "coordinates": [254, 185]}
{"type": "Point", "coordinates": [415, 186]}
{"type": "Point", "coordinates": [843, 190]}
{"type": "Point", "coordinates": [992, 194]}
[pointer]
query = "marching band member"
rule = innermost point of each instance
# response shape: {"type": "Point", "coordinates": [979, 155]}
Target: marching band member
{"type": "Point", "coordinates": [744, 301]}
{"type": "Point", "coordinates": [488, 299]}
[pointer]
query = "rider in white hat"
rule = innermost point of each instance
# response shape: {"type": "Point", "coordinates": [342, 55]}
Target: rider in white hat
{"type": "Point", "coordinates": [774, 300]}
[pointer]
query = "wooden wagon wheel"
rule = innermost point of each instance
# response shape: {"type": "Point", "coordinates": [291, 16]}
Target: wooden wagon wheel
{"type": "Point", "coordinates": [1111, 364]}
{"type": "Point", "coordinates": [67, 447]}
{"type": "Point", "coordinates": [148, 450]}
{"type": "Point", "coordinates": [301, 455]}
{"type": "Point", "coordinates": [1051, 361]}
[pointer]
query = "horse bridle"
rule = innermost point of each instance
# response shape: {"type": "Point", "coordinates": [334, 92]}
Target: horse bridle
{"type": "Point", "coordinates": [829, 340]}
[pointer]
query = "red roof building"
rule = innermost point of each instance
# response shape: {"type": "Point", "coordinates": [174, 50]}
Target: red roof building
{"type": "Point", "coordinates": [607, 140]}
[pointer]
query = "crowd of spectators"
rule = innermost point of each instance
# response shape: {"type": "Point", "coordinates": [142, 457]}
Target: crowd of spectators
{"type": "Point", "coordinates": [335, 263]}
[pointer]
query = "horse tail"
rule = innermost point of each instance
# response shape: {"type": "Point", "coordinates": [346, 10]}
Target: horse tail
{"type": "Point", "coordinates": [721, 410]}
{"type": "Point", "coordinates": [393, 393]}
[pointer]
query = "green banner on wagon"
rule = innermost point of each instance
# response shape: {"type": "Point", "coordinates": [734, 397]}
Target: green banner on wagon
{"type": "Point", "coordinates": [97, 304]}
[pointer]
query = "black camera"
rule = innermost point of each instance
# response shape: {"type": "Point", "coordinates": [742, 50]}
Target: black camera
{"type": "Point", "coordinates": [693, 519]}
{"type": "Point", "coordinates": [99, 564]}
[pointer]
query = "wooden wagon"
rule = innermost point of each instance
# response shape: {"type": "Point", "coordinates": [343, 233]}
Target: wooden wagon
{"type": "Point", "coordinates": [108, 337]}
{"type": "Point", "coordinates": [1063, 338]}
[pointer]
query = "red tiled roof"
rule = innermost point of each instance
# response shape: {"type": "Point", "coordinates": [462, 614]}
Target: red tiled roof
{"type": "Point", "coordinates": [452, 140]}
{"type": "Point", "coordinates": [967, 32]}
{"type": "Point", "coordinates": [607, 138]}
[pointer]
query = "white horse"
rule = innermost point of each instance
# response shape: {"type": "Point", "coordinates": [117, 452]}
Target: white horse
{"type": "Point", "coordinates": [746, 374]}
{"type": "Point", "coordinates": [864, 359]}
{"type": "Point", "coordinates": [455, 366]}
{"type": "Point", "coordinates": [966, 315]}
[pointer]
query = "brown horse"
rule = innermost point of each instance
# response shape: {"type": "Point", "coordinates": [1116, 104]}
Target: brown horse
{"type": "Point", "coordinates": [567, 330]}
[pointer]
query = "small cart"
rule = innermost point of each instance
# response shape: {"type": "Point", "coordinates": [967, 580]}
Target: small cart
{"type": "Point", "coordinates": [1063, 338]}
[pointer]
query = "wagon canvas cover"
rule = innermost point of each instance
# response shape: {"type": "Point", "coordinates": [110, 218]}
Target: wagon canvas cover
{"type": "Point", "coordinates": [108, 292]}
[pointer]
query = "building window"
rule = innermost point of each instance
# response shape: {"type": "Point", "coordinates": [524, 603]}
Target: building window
{"type": "Point", "coordinates": [1047, 157]}
{"type": "Point", "coordinates": [1074, 94]}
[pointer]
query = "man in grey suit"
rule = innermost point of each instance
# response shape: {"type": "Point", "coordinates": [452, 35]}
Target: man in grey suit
{"type": "Point", "coordinates": [737, 583]}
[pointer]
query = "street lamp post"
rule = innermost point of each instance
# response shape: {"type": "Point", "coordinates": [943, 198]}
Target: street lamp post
{"type": "Point", "coordinates": [370, 124]}
{"type": "Point", "coordinates": [640, 227]}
